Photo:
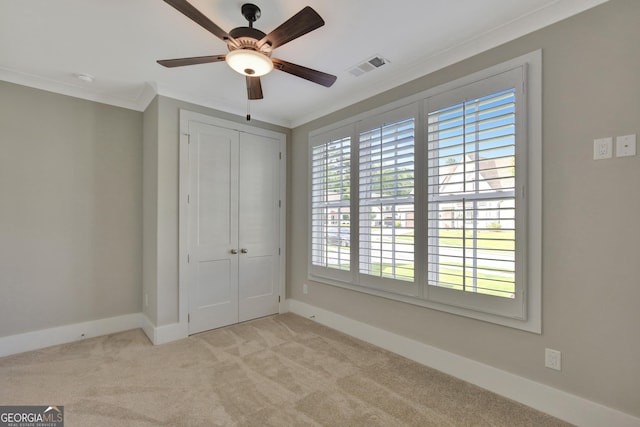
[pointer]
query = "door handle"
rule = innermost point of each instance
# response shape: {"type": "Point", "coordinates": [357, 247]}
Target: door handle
{"type": "Point", "coordinates": [244, 251]}
{"type": "Point", "coordinates": [234, 251]}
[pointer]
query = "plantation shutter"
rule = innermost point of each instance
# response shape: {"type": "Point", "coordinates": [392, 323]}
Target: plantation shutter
{"type": "Point", "coordinates": [330, 203]}
{"type": "Point", "coordinates": [435, 200]}
{"type": "Point", "coordinates": [386, 154]}
{"type": "Point", "coordinates": [471, 175]}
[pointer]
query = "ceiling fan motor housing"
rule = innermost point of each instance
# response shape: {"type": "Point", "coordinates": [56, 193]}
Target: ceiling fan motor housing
{"type": "Point", "coordinates": [248, 38]}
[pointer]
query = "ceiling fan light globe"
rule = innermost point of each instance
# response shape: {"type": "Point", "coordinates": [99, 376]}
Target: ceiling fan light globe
{"type": "Point", "coordinates": [249, 62]}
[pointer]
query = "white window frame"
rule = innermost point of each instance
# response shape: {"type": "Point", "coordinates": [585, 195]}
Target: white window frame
{"type": "Point", "coordinates": [514, 78]}
{"type": "Point", "coordinates": [319, 271]}
{"type": "Point", "coordinates": [529, 248]}
{"type": "Point", "coordinates": [378, 121]}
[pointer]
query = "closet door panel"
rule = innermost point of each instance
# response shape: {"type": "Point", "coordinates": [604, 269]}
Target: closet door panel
{"type": "Point", "coordinates": [258, 226]}
{"type": "Point", "coordinates": [213, 227]}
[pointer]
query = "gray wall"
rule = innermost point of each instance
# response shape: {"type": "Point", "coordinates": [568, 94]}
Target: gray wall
{"type": "Point", "coordinates": [591, 227]}
{"type": "Point", "coordinates": [162, 283]}
{"type": "Point", "coordinates": [70, 210]}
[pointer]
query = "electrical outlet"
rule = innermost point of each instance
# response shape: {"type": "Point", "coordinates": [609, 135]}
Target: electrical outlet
{"type": "Point", "coordinates": [552, 359]}
{"type": "Point", "coordinates": [602, 148]}
{"type": "Point", "coordinates": [305, 288]}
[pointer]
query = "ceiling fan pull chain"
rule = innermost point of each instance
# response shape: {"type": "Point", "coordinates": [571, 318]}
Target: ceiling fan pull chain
{"type": "Point", "coordinates": [248, 110]}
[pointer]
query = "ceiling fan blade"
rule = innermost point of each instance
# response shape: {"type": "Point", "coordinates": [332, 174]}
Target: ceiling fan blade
{"type": "Point", "coordinates": [314, 76]}
{"type": "Point", "coordinates": [298, 25]}
{"type": "Point", "coordinates": [180, 62]}
{"type": "Point", "coordinates": [188, 10]}
{"type": "Point", "coordinates": [254, 88]}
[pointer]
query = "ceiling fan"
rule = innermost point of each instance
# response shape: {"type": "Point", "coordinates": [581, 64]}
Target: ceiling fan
{"type": "Point", "coordinates": [250, 49]}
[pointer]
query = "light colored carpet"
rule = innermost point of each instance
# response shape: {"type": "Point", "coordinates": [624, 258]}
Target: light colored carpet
{"type": "Point", "coordinates": [283, 370]}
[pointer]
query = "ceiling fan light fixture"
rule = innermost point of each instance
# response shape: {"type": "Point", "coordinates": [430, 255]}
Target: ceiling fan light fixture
{"type": "Point", "coordinates": [249, 62]}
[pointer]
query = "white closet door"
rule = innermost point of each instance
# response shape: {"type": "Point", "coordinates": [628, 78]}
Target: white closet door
{"type": "Point", "coordinates": [259, 226]}
{"type": "Point", "coordinates": [234, 219]}
{"type": "Point", "coordinates": [213, 227]}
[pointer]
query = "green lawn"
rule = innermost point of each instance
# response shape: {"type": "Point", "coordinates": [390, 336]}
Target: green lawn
{"type": "Point", "coordinates": [486, 239]}
{"type": "Point", "coordinates": [450, 276]}
{"type": "Point", "coordinates": [406, 238]}
{"type": "Point", "coordinates": [403, 271]}
{"type": "Point", "coordinates": [489, 284]}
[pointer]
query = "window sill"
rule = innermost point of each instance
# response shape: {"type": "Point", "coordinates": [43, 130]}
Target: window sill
{"type": "Point", "coordinates": [532, 324]}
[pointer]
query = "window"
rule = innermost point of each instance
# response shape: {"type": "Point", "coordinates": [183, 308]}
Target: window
{"type": "Point", "coordinates": [386, 164]}
{"type": "Point", "coordinates": [471, 157]}
{"type": "Point", "coordinates": [474, 138]}
{"type": "Point", "coordinates": [330, 205]}
{"type": "Point", "coordinates": [444, 193]}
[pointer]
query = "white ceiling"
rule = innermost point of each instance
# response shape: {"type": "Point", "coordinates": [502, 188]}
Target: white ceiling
{"type": "Point", "coordinates": [43, 43]}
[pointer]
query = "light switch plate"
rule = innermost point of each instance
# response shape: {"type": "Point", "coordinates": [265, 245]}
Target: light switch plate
{"type": "Point", "coordinates": [602, 148]}
{"type": "Point", "coordinates": [626, 145]}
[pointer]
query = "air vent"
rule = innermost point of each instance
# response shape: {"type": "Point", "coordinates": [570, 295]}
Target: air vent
{"type": "Point", "coordinates": [368, 65]}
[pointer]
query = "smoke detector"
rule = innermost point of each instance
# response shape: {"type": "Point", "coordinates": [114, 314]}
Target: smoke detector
{"type": "Point", "coordinates": [87, 78]}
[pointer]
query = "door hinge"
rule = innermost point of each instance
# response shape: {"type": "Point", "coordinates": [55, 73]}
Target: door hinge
{"type": "Point", "coordinates": [188, 258]}
{"type": "Point", "coordinates": [279, 251]}
{"type": "Point", "coordinates": [188, 198]}
{"type": "Point", "coordinates": [280, 153]}
{"type": "Point", "coordinates": [279, 203]}
{"type": "Point", "coordinates": [188, 318]}
{"type": "Point", "coordinates": [278, 298]}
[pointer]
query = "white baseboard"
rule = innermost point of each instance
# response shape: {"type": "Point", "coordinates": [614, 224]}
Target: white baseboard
{"type": "Point", "coordinates": [552, 401]}
{"type": "Point", "coordinates": [164, 334]}
{"type": "Point", "coordinates": [35, 340]}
